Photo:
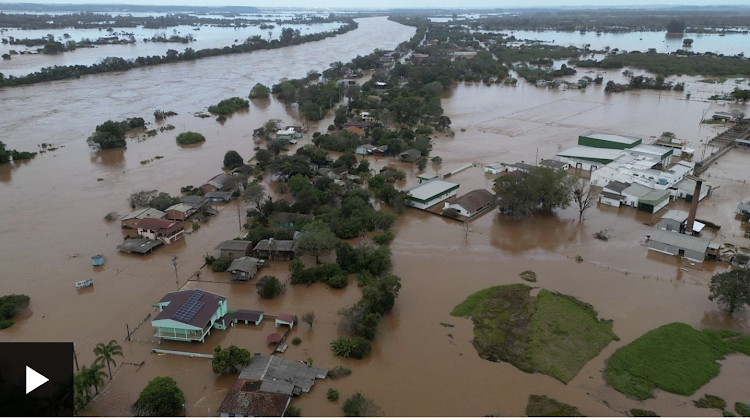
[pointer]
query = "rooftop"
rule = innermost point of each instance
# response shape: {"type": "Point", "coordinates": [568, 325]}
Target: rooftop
{"type": "Point", "coordinates": [678, 215]}
{"type": "Point", "coordinates": [194, 200]}
{"type": "Point", "coordinates": [245, 399]}
{"type": "Point", "coordinates": [615, 138]}
{"type": "Point", "coordinates": [356, 130]}
{"type": "Point", "coordinates": [160, 225]}
{"type": "Point", "coordinates": [144, 213]}
{"type": "Point", "coordinates": [637, 190]}
{"type": "Point", "coordinates": [181, 207]}
{"type": "Point", "coordinates": [617, 186]}
{"type": "Point", "coordinates": [246, 264]}
{"type": "Point", "coordinates": [428, 190]}
{"type": "Point", "coordinates": [140, 246]}
{"type": "Point", "coordinates": [552, 163]}
{"type": "Point", "coordinates": [276, 245]}
{"type": "Point", "coordinates": [586, 152]}
{"type": "Point", "coordinates": [276, 369]}
{"type": "Point", "coordinates": [679, 240]}
{"type": "Point", "coordinates": [233, 245]}
{"type": "Point", "coordinates": [474, 200]}
{"type": "Point", "coordinates": [204, 305]}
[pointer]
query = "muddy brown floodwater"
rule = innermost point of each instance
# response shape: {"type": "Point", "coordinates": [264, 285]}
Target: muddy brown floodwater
{"type": "Point", "coordinates": [52, 209]}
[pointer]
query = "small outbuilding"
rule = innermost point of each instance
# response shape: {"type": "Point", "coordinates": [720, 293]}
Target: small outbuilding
{"type": "Point", "coordinates": [411, 155]}
{"type": "Point", "coordinates": [235, 248]}
{"type": "Point", "coordinates": [673, 243]}
{"type": "Point", "coordinates": [280, 250]}
{"type": "Point", "coordinates": [471, 203]}
{"type": "Point", "coordinates": [243, 268]}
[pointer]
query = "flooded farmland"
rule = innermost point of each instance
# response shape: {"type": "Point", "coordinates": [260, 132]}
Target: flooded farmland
{"type": "Point", "coordinates": [52, 210]}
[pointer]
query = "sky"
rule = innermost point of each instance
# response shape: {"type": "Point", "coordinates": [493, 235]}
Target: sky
{"type": "Point", "coordinates": [340, 4]}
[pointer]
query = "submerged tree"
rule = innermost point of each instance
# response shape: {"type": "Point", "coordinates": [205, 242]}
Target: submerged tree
{"type": "Point", "coordinates": [160, 398]}
{"type": "Point", "coordinates": [731, 290]}
{"type": "Point", "coordinates": [228, 359]}
{"type": "Point", "coordinates": [317, 239]}
{"type": "Point", "coordinates": [583, 196]}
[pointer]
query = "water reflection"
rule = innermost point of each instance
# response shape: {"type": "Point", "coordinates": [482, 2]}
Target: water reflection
{"type": "Point", "coordinates": [112, 158]}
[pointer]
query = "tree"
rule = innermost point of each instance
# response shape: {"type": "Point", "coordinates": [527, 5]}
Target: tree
{"type": "Point", "coordinates": [437, 160]}
{"type": "Point", "coordinates": [162, 201]}
{"type": "Point", "coordinates": [542, 189]}
{"type": "Point", "coordinates": [259, 91]}
{"type": "Point", "coordinates": [421, 163]}
{"type": "Point", "coordinates": [309, 318]}
{"type": "Point", "coordinates": [232, 160]}
{"type": "Point", "coordinates": [161, 398]}
{"type": "Point", "coordinates": [583, 196]}
{"type": "Point", "coordinates": [226, 360]}
{"type": "Point", "coordinates": [190, 137]}
{"type": "Point", "coordinates": [687, 42]}
{"type": "Point", "coordinates": [298, 183]}
{"type": "Point", "coordinates": [731, 290]}
{"type": "Point", "coordinates": [255, 193]}
{"type": "Point", "coordinates": [109, 135]}
{"type": "Point", "coordinates": [94, 376]}
{"type": "Point", "coordinates": [317, 239]}
{"type": "Point", "coordinates": [106, 353]}
{"type": "Point", "coordinates": [269, 287]}
{"type": "Point", "coordinates": [359, 406]}
{"type": "Point", "coordinates": [675, 27]}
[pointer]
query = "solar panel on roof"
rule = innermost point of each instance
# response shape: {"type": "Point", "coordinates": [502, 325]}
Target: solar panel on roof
{"type": "Point", "coordinates": [190, 308]}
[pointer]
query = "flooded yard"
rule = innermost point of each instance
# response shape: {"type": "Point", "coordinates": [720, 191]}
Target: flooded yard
{"type": "Point", "coordinates": [53, 206]}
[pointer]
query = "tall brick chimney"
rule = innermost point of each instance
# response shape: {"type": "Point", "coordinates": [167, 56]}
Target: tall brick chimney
{"type": "Point", "coordinates": [693, 208]}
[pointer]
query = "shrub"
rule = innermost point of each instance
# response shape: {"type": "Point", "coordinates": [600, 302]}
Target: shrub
{"type": "Point", "coordinates": [296, 341]}
{"type": "Point", "coordinates": [637, 412]}
{"type": "Point", "coordinates": [332, 394]}
{"type": "Point", "coordinates": [742, 409]}
{"type": "Point", "coordinates": [292, 412]}
{"type": "Point", "coordinates": [190, 137]}
{"type": "Point", "coordinates": [384, 238]}
{"type": "Point", "coordinates": [229, 106]}
{"type": "Point", "coordinates": [269, 287]}
{"type": "Point", "coordinates": [160, 398]}
{"type": "Point", "coordinates": [359, 406]}
{"type": "Point", "coordinates": [259, 91]}
{"type": "Point", "coordinates": [221, 264]}
{"type": "Point", "coordinates": [451, 213]}
{"type": "Point", "coordinates": [339, 372]}
{"type": "Point", "coordinates": [356, 347]}
{"type": "Point", "coordinates": [338, 281]}
{"type": "Point", "coordinates": [711, 401]}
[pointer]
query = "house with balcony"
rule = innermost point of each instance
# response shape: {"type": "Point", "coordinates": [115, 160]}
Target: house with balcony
{"type": "Point", "coordinates": [167, 231]}
{"type": "Point", "coordinates": [188, 315]}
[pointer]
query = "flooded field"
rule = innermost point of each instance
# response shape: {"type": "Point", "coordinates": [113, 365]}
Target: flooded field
{"type": "Point", "coordinates": [52, 210]}
{"type": "Point", "coordinates": [731, 44]}
{"type": "Point", "coordinates": [206, 37]}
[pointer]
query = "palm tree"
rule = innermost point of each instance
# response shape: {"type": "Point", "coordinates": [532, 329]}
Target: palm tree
{"type": "Point", "coordinates": [106, 352]}
{"type": "Point", "coordinates": [94, 375]}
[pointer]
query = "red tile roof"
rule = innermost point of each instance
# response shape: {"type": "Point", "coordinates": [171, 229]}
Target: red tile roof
{"type": "Point", "coordinates": [356, 131]}
{"type": "Point", "coordinates": [245, 400]}
{"type": "Point", "coordinates": [160, 225]}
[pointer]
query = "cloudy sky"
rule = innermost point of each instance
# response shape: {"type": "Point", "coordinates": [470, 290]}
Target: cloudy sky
{"type": "Point", "coordinates": [333, 4]}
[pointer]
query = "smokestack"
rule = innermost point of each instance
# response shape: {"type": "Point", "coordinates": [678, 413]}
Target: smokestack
{"type": "Point", "coordinates": [693, 208]}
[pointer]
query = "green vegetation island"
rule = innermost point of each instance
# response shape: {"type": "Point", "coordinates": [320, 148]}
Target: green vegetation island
{"type": "Point", "coordinates": [551, 333]}
{"type": "Point", "coordinates": [110, 64]}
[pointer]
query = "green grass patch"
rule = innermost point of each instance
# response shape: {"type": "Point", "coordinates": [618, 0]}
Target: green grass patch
{"type": "Point", "coordinates": [551, 333]}
{"type": "Point", "coordinates": [674, 357]}
{"type": "Point", "coordinates": [565, 335]}
{"type": "Point", "coordinates": [637, 412]}
{"type": "Point", "coordinates": [544, 406]}
{"type": "Point", "coordinates": [742, 409]}
{"type": "Point", "coordinates": [711, 401]}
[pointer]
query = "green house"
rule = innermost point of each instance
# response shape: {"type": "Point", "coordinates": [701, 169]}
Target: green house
{"type": "Point", "coordinates": [189, 315]}
{"type": "Point", "coordinates": [608, 141]}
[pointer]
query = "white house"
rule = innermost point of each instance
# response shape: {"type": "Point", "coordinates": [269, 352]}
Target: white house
{"type": "Point", "coordinates": [286, 134]}
{"type": "Point", "coordinates": [471, 203]}
{"type": "Point", "coordinates": [167, 231]}
{"type": "Point", "coordinates": [427, 194]}
{"type": "Point", "coordinates": [494, 168]}
{"type": "Point", "coordinates": [364, 149]}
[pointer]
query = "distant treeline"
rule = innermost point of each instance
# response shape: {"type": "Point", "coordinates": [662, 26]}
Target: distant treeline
{"type": "Point", "coordinates": [96, 20]}
{"type": "Point", "coordinates": [671, 64]}
{"type": "Point", "coordinates": [132, 8]}
{"type": "Point", "coordinates": [616, 20]}
{"type": "Point", "coordinates": [109, 64]}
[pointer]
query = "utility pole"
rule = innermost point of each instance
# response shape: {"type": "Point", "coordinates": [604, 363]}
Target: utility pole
{"type": "Point", "coordinates": [239, 218]}
{"type": "Point", "coordinates": [75, 357]}
{"type": "Point", "coordinates": [174, 264]}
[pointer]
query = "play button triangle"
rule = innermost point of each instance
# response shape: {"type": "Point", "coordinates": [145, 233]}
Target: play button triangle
{"type": "Point", "coordinates": [34, 379]}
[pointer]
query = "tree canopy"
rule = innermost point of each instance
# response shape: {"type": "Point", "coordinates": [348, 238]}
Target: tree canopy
{"type": "Point", "coordinates": [317, 239]}
{"type": "Point", "coordinates": [228, 359]}
{"type": "Point", "coordinates": [232, 160]}
{"type": "Point", "coordinates": [731, 290]}
{"type": "Point", "coordinates": [160, 398]}
{"type": "Point", "coordinates": [541, 189]}
{"type": "Point", "coordinates": [259, 91]}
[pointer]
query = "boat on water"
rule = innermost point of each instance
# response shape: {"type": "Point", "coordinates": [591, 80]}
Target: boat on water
{"type": "Point", "coordinates": [84, 284]}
